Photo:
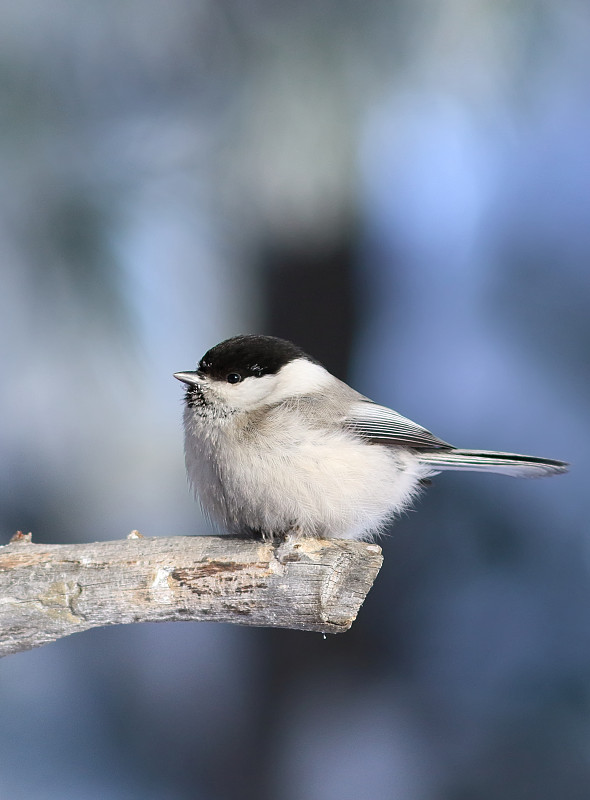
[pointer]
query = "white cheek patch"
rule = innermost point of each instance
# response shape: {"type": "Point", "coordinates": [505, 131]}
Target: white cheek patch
{"type": "Point", "coordinates": [296, 378]}
{"type": "Point", "coordinates": [250, 393]}
{"type": "Point", "coordinates": [300, 377]}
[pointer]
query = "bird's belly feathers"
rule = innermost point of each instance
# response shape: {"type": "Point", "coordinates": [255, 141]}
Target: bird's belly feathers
{"type": "Point", "coordinates": [299, 480]}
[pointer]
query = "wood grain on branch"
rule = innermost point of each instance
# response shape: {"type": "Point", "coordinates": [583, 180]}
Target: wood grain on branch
{"type": "Point", "coordinates": [49, 591]}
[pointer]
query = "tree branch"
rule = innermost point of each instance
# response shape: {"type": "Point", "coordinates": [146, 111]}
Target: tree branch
{"type": "Point", "coordinates": [50, 591]}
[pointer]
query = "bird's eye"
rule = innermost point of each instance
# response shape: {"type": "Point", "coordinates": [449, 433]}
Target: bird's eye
{"type": "Point", "coordinates": [233, 377]}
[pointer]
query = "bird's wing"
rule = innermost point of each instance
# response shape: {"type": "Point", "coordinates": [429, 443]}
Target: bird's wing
{"type": "Point", "coordinates": [382, 425]}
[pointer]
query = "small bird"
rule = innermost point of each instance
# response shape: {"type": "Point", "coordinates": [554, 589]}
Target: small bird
{"type": "Point", "coordinates": [276, 446]}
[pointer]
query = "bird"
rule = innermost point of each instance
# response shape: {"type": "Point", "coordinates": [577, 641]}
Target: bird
{"type": "Point", "coordinates": [278, 447]}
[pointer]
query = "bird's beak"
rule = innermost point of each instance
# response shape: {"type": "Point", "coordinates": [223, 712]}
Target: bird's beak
{"type": "Point", "coordinates": [190, 378]}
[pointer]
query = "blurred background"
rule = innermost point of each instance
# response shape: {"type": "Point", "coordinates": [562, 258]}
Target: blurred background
{"type": "Point", "coordinates": [402, 188]}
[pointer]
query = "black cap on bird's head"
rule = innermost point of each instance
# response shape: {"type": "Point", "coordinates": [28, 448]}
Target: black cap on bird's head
{"type": "Point", "coordinates": [246, 356]}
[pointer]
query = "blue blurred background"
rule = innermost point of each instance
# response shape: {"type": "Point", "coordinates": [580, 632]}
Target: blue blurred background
{"type": "Point", "coordinates": [404, 189]}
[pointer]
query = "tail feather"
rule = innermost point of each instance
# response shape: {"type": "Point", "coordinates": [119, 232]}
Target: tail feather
{"type": "Point", "coordinates": [512, 464]}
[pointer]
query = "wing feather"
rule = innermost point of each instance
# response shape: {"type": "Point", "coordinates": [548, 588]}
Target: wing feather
{"type": "Point", "coordinates": [382, 425]}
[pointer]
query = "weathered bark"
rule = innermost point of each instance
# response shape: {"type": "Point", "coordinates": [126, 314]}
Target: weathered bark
{"type": "Point", "coordinates": [50, 591]}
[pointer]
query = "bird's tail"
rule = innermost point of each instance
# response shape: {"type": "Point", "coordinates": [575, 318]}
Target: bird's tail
{"type": "Point", "coordinates": [490, 461]}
